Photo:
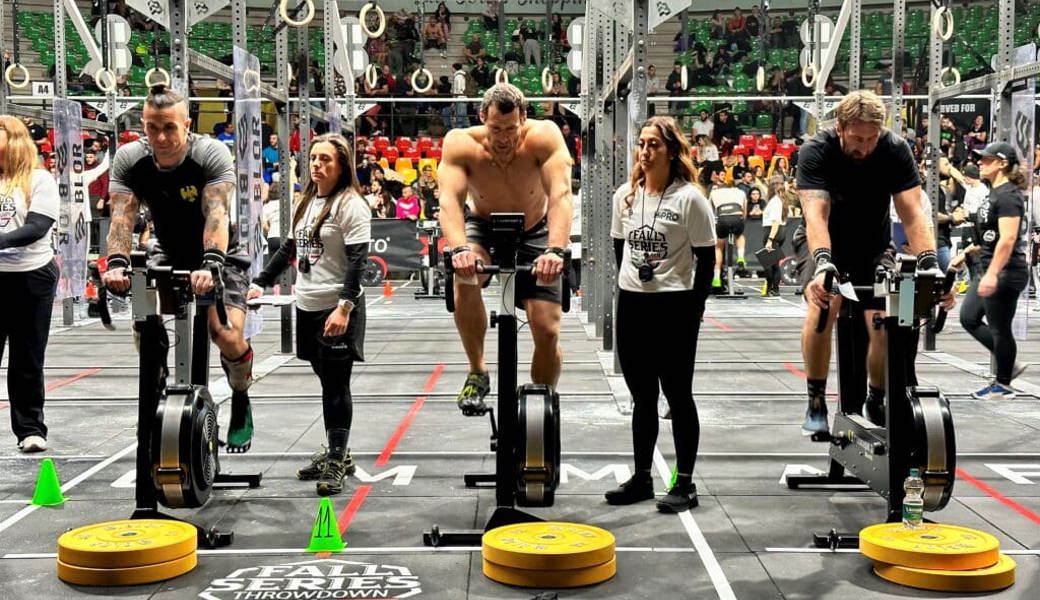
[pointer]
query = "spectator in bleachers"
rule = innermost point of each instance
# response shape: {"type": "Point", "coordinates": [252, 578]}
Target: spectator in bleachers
{"type": "Point", "coordinates": [377, 49]}
{"type": "Point", "coordinates": [718, 25]}
{"type": "Point", "coordinates": [481, 74]}
{"type": "Point", "coordinates": [755, 204]}
{"type": "Point", "coordinates": [37, 132]}
{"type": "Point", "coordinates": [433, 36]}
{"type": "Point", "coordinates": [746, 182]}
{"type": "Point", "coordinates": [703, 126]}
{"type": "Point", "coordinates": [977, 134]}
{"type": "Point", "coordinates": [529, 37]}
{"type": "Point", "coordinates": [779, 167]}
{"type": "Point", "coordinates": [381, 201]}
{"type": "Point", "coordinates": [557, 89]}
{"type": "Point", "coordinates": [474, 49]}
{"type": "Point", "coordinates": [753, 22]}
{"type": "Point", "coordinates": [556, 29]}
{"type": "Point", "coordinates": [675, 88]}
{"type": "Point", "coordinates": [790, 26]}
{"type": "Point", "coordinates": [774, 220]}
{"type": "Point", "coordinates": [408, 204]}
{"type": "Point", "coordinates": [444, 18]}
{"type": "Point", "coordinates": [726, 132]}
{"type": "Point", "coordinates": [653, 88]}
{"type": "Point", "coordinates": [458, 89]}
{"type": "Point", "coordinates": [227, 136]}
{"type": "Point", "coordinates": [512, 59]}
{"type": "Point", "coordinates": [403, 39]}
{"type": "Point", "coordinates": [707, 153]}
{"type": "Point", "coordinates": [490, 14]}
{"type": "Point", "coordinates": [776, 33]}
{"type": "Point", "coordinates": [736, 26]}
{"type": "Point", "coordinates": [426, 184]}
{"type": "Point", "coordinates": [270, 157]}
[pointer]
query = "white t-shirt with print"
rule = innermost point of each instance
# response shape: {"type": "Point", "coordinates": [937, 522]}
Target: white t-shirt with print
{"type": "Point", "coordinates": [43, 199]}
{"type": "Point", "coordinates": [272, 214]}
{"type": "Point", "coordinates": [659, 230]}
{"type": "Point", "coordinates": [349, 222]}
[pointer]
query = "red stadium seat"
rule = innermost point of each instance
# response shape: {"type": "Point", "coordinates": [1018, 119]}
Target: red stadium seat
{"type": "Point", "coordinates": [391, 155]}
{"type": "Point", "coordinates": [741, 149]}
{"type": "Point", "coordinates": [768, 139]}
{"type": "Point", "coordinates": [785, 150]}
{"type": "Point", "coordinates": [424, 144]}
{"type": "Point", "coordinates": [381, 143]}
{"type": "Point", "coordinates": [434, 152]}
{"type": "Point", "coordinates": [414, 154]}
{"type": "Point", "coordinates": [403, 144]}
{"type": "Point", "coordinates": [747, 140]}
{"type": "Point", "coordinates": [765, 151]}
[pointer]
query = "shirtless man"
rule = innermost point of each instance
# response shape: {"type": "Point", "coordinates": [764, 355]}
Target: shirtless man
{"type": "Point", "coordinates": [508, 164]}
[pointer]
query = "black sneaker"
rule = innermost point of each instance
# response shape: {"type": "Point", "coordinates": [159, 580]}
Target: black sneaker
{"type": "Point", "coordinates": [336, 470]}
{"type": "Point", "coordinates": [874, 411]}
{"type": "Point", "coordinates": [636, 489]}
{"type": "Point", "coordinates": [679, 498]}
{"type": "Point", "coordinates": [314, 470]}
{"type": "Point", "coordinates": [471, 398]}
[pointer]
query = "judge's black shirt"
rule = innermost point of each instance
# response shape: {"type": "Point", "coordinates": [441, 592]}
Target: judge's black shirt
{"type": "Point", "coordinates": [174, 196]}
{"type": "Point", "coordinates": [859, 224]}
{"type": "Point", "coordinates": [1005, 200]}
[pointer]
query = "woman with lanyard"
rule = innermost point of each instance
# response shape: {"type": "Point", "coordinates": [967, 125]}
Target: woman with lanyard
{"type": "Point", "coordinates": [329, 237]}
{"type": "Point", "coordinates": [774, 223]}
{"type": "Point", "coordinates": [661, 223]}
{"type": "Point", "coordinates": [28, 277]}
{"type": "Point", "coordinates": [1000, 221]}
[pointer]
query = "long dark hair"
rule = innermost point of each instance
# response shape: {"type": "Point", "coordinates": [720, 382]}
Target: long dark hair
{"type": "Point", "coordinates": [681, 166]}
{"type": "Point", "coordinates": [347, 179]}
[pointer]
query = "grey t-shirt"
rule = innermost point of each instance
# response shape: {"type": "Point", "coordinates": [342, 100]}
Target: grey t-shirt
{"type": "Point", "coordinates": [349, 222]}
{"type": "Point", "coordinates": [660, 230]}
{"type": "Point", "coordinates": [174, 196]}
{"type": "Point", "coordinates": [13, 213]}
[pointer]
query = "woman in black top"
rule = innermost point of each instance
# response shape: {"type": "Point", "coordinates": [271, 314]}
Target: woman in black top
{"type": "Point", "coordinates": [1000, 222]}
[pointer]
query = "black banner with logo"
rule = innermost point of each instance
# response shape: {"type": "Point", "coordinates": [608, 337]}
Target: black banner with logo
{"type": "Point", "coordinates": [395, 245]}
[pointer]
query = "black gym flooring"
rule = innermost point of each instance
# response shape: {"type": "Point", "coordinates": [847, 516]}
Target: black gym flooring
{"type": "Point", "coordinates": [750, 537]}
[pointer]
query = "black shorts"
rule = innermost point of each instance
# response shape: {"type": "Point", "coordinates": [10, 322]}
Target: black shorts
{"type": "Point", "coordinates": [532, 244]}
{"type": "Point", "coordinates": [727, 225]}
{"type": "Point", "coordinates": [863, 274]}
{"type": "Point", "coordinates": [236, 276]}
{"type": "Point", "coordinates": [311, 345]}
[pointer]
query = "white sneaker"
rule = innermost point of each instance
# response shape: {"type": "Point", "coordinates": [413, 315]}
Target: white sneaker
{"type": "Point", "coordinates": [33, 443]}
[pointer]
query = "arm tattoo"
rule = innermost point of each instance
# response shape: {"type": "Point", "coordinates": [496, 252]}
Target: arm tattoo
{"type": "Point", "coordinates": [121, 230]}
{"type": "Point", "coordinates": [216, 207]}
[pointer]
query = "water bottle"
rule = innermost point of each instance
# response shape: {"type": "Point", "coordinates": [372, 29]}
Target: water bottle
{"type": "Point", "coordinates": [913, 503]}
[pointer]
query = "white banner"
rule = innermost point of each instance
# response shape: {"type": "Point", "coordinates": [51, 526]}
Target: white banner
{"type": "Point", "coordinates": [159, 10]}
{"type": "Point", "coordinates": [119, 57]}
{"type": "Point", "coordinates": [335, 123]}
{"type": "Point", "coordinates": [662, 10]}
{"type": "Point", "coordinates": [349, 41]}
{"type": "Point", "coordinates": [121, 107]}
{"type": "Point", "coordinates": [1023, 132]}
{"type": "Point", "coordinates": [248, 145]}
{"type": "Point", "coordinates": [72, 233]}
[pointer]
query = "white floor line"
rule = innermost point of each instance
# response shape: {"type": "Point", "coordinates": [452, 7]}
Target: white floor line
{"type": "Point", "coordinates": [355, 550]}
{"type": "Point", "coordinates": [711, 564]}
{"type": "Point", "coordinates": [265, 367]}
{"type": "Point", "coordinates": [856, 551]}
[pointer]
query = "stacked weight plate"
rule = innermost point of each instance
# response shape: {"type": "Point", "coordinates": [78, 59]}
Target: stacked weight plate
{"type": "Point", "coordinates": [549, 555]}
{"type": "Point", "coordinates": [127, 552]}
{"type": "Point", "coordinates": [937, 557]}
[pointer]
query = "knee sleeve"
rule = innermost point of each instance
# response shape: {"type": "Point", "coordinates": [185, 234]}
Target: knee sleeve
{"type": "Point", "coordinates": [240, 371]}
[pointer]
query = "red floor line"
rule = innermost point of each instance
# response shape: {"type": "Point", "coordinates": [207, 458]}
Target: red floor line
{"type": "Point", "coordinates": [406, 422]}
{"type": "Point", "coordinates": [76, 377]}
{"type": "Point", "coordinates": [1008, 502]}
{"type": "Point", "coordinates": [352, 508]}
{"type": "Point", "coordinates": [4, 405]}
{"type": "Point", "coordinates": [801, 375]}
{"type": "Point", "coordinates": [718, 324]}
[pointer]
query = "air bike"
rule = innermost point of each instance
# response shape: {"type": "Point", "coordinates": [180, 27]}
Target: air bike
{"type": "Point", "coordinates": [918, 430]}
{"type": "Point", "coordinates": [526, 437]}
{"type": "Point", "coordinates": [177, 460]}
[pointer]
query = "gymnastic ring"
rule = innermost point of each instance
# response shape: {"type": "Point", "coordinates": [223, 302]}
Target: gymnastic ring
{"type": "Point", "coordinates": [16, 67]}
{"type": "Point", "coordinates": [165, 77]}
{"type": "Point", "coordinates": [956, 76]}
{"type": "Point", "coordinates": [429, 80]}
{"type": "Point", "coordinates": [363, 16]}
{"type": "Point", "coordinates": [684, 78]}
{"type": "Point", "coordinates": [283, 11]}
{"type": "Point", "coordinates": [807, 69]}
{"type": "Point", "coordinates": [501, 76]}
{"type": "Point", "coordinates": [371, 75]}
{"type": "Point", "coordinates": [547, 82]}
{"type": "Point", "coordinates": [760, 78]}
{"type": "Point", "coordinates": [941, 14]}
{"type": "Point", "coordinates": [99, 75]}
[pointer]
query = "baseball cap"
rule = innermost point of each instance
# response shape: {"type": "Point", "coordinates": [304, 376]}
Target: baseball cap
{"type": "Point", "coordinates": [970, 170]}
{"type": "Point", "coordinates": [1001, 150]}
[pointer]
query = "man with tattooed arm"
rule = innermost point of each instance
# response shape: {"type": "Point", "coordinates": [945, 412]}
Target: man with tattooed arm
{"type": "Point", "coordinates": [188, 184]}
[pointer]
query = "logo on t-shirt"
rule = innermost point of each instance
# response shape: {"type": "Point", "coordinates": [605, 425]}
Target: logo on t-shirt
{"type": "Point", "coordinates": [7, 210]}
{"type": "Point", "coordinates": [309, 248]}
{"type": "Point", "coordinates": [647, 245]}
{"type": "Point", "coordinates": [189, 193]}
{"type": "Point", "coordinates": [667, 214]}
{"type": "Point", "coordinates": [989, 236]}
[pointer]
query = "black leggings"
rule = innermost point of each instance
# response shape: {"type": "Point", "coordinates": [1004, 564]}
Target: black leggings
{"type": "Point", "coordinates": [336, 403]}
{"type": "Point", "coordinates": [657, 346]}
{"type": "Point", "coordinates": [774, 271]}
{"type": "Point", "coordinates": [999, 310]}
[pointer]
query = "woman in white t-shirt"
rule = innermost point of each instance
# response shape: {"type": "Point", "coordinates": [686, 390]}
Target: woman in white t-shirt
{"type": "Point", "coordinates": [28, 277]}
{"type": "Point", "coordinates": [662, 225]}
{"type": "Point", "coordinates": [774, 222]}
{"type": "Point", "coordinates": [329, 237]}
